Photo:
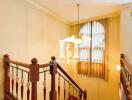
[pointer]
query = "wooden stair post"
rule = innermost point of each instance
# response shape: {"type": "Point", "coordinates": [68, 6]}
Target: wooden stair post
{"type": "Point", "coordinates": [34, 77]}
{"type": "Point", "coordinates": [53, 72]}
{"type": "Point", "coordinates": [85, 95]}
{"type": "Point", "coordinates": [6, 76]}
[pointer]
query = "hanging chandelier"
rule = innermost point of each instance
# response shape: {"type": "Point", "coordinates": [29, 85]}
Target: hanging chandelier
{"type": "Point", "coordinates": [69, 47]}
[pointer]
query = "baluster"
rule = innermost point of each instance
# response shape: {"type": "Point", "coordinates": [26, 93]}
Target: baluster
{"type": "Point", "coordinates": [44, 83]}
{"type": "Point", "coordinates": [69, 90]}
{"type": "Point", "coordinates": [80, 95]}
{"type": "Point", "coordinates": [12, 81]}
{"type": "Point", "coordinates": [22, 87]}
{"type": "Point", "coordinates": [64, 89]}
{"type": "Point", "coordinates": [73, 92]}
{"type": "Point", "coordinates": [59, 87]}
{"type": "Point", "coordinates": [28, 90]}
{"type": "Point", "coordinates": [17, 78]}
{"type": "Point", "coordinates": [76, 95]}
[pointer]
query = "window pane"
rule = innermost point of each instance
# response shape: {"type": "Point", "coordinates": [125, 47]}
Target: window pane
{"type": "Point", "coordinates": [97, 39]}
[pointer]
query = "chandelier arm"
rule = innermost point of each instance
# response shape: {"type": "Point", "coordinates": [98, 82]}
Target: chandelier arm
{"type": "Point", "coordinates": [78, 17]}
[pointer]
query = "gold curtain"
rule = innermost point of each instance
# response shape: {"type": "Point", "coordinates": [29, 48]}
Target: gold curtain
{"type": "Point", "coordinates": [95, 67]}
{"type": "Point", "coordinates": [91, 69]}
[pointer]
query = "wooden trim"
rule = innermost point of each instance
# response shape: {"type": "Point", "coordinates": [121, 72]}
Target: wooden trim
{"type": "Point", "coordinates": [126, 64]}
{"type": "Point", "coordinates": [9, 96]}
{"type": "Point", "coordinates": [6, 66]}
{"type": "Point", "coordinates": [65, 73]}
{"type": "Point", "coordinates": [18, 63]}
{"type": "Point", "coordinates": [44, 65]}
{"type": "Point", "coordinates": [34, 77]}
{"type": "Point", "coordinates": [53, 72]}
{"type": "Point", "coordinates": [25, 64]}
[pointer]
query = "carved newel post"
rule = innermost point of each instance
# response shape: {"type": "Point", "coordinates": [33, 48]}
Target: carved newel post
{"type": "Point", "coordinates": [53, 72]}
{"type": "Point", "coordinates": [34, 77]}
{"type": "Point", "coordinates": [6, 65]}
{"type": "Point", "coordinates": [85, 95]}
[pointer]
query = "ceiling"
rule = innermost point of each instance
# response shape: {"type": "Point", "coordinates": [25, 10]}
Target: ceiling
{"type": "Point", "coordinates": [67, 9]}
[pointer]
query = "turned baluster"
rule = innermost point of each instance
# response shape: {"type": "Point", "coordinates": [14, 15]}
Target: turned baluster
{"type": "Point", "coordinates": [28, 90]}
{"type": "Point", "coordinates": [44, 84]}
{"type": "Point", "coordinates": [59, 87]}
{"type": "Point", "coordinates": [80, 94]}
{"type": "Point", "coordinates": [69, 91]}
{"type": "Point", "coordinates": [76, 95]}
{"type": "Point", "coordinates": [12, 81]}
{"type": "Point", "coordinates": [17, 78]}
{"type": "Point", "coordinates": [22, 87]}
{"type": "Point", "coordinates": [73, 92]}
{"type": "Point", "coordinates": [64, 90]}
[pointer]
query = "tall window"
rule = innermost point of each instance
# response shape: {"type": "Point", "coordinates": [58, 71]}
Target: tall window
{"type": "Point", "coordinates": [92, 48]}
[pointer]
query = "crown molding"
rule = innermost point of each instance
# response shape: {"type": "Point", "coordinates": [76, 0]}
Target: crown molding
{"type": "Point", "coordinates": [48, 11]}
{"type": "Point", "coordinates": [110, 15]}
{"type": "Point", "coordinates": [128, 5]}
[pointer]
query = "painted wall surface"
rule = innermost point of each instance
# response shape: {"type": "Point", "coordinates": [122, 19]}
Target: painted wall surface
{"type": "Point", "coordinates": [27, 32]}
{"type": "Point", "coordinates": [98, 89]}
{"type": "Point", "coordinates": [126, 32]}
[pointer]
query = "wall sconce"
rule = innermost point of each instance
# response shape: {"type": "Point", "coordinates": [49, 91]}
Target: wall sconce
{"type": "Point", "coordinates": [118, 67]}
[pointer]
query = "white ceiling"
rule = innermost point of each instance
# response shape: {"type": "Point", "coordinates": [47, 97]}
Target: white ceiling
{"type": "Point", "coordinates": [67, 9]}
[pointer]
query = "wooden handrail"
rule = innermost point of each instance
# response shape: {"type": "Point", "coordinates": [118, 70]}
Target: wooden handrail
{"type": "Point", "coordinates": [33, 76]}
{"type": "Point", "coordinates": [15, 62]}
{"type": "Point", "coordinates": [126, 64]}
{"type": "Point", "coordinates": [54, 65]}
{"type": "Point", "coordinates": [33, 71]}
{"type": "Point", "coordinates": [68, 76]}
{"type": "Point", "coordinates": [25, 64]}
{"type": "Point", "coordinates": [44, 65]}
{"type": "Point", "coordinates": [19, 63]}
{"type": "Point", "coordinates": [126, 77]}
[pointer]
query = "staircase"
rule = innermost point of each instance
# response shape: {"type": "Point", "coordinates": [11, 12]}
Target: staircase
{"type": "Point", "coordinates": [125, 79]}
{"type": "Point", "coordinates": [21, 81]}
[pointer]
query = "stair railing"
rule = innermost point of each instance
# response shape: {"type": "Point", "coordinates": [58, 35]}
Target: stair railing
{"type": "Point", "coordinates": [17, 72]}
{"type": "Point", "coordinates": [126, 77]}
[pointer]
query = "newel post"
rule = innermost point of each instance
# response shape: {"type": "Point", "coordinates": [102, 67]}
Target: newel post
{"type": "Point", "coordinates": [6, 65]}
{"type": "Point", "coordinates": [34, 77]}
{"type": "Point", "coordinates": [53, 72]}
{"type": "Point", "coordinates": [85, 95]}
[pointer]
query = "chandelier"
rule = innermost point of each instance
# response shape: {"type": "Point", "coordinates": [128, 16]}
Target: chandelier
{"type": "Point", "coordinates": [69, 47]}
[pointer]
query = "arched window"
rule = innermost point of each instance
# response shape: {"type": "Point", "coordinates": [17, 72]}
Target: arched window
{"type": "Point", "coordinates": [92, 47]}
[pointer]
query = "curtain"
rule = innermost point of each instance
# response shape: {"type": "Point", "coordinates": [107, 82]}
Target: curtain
{"type": "Point", "coordinates": [93, 49]}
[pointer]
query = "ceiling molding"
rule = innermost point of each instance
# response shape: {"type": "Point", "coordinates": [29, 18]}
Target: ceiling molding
{"type": "Point", "coordinates": [128, 5]}
{"type": "Point", "coordinates": [47, 11]}
{"type": "Point", "coordinates": [110, 15]}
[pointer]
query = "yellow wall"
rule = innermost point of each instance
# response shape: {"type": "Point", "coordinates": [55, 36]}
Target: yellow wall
{"type": "Point", "coordinates": [98, 89]}
{"type": "Point", "coordinates": [126, 32]}
{"type": "Point", "coordinates": [27, 32]}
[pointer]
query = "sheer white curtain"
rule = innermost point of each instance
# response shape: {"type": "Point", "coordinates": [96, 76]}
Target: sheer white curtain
{"type": "Point", "coordinates": [93, 49]}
